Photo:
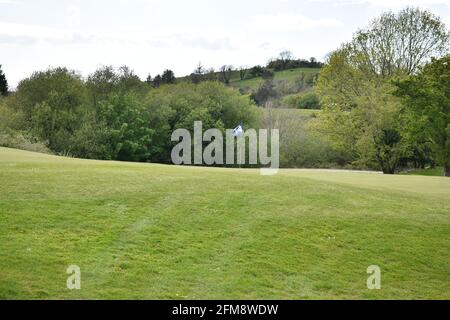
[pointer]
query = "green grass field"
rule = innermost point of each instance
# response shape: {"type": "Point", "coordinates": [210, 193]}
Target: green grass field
{"type": "Point", "coordinates": [162, 232]}
{"type": "Point", "coordinates": [438, 171]}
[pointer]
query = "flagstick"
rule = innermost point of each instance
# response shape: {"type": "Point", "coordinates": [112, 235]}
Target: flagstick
{"type": "Point", "coordinates": [240, 159]}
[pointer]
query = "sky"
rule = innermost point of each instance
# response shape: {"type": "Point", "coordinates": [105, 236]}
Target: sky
{"type": "Point", "coordinates": [150, 36]}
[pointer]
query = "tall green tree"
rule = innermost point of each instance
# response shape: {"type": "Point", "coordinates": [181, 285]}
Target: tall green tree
{"type": "Point", "coordinates": [3, 83]}
{"type": "Point", "coordinates": [360, 113]}
{"type": "Point", "coordinates": [126, 127]}
{"type": "Point", "coordinates": [52, 102]}
{"type": "Point", "coordinates": [106, 81]}
{"type": "Point", "coordinates": [426, 98]}
{"type": "Point", "coordinates": [168, 77]}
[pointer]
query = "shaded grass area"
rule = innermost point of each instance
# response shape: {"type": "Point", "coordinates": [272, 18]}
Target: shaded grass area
{"type": "Point", "coordinates": [438, 171]}
{"type": "Point", "coordinates": [164, 232]}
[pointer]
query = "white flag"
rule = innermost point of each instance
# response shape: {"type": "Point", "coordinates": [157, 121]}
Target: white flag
{"type": "Point", "coordinates": [238, 130]}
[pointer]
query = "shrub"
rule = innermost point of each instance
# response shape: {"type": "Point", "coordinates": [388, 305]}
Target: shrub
{"type": "Point", "coordinates": [307, 100]}
{"type": "Point", "coordinates": [18, 140]}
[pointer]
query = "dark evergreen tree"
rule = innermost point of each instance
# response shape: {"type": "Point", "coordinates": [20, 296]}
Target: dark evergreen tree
{"type": "Point", "coordinates": [168, 77]}
{"type": "Point", "coordinates": [3, 83]}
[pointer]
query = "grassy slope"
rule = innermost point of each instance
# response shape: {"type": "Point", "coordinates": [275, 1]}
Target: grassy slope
{"type": "Point", "coordinates": [287, 75]}
{"type": "Point", "coordinates": [295, 113]}
{"type": "Point", "coordinates": [154, 231]}
{"type": "Point", "coordinates": [438, 171]}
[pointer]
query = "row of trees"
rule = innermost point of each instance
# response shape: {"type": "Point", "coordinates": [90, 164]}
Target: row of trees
{"type": "Point", "coordinates": [385, 99]}
{"type": "Point", "coordinates": [382, 106]}
{"type": "Point", "coordinates": [224, 74]}
{"type": "Point", "coordinates": [114, 115]}
{"type": "Point", "coordinates": [286, 60]}
{"type": "Point", "coordinates": [167, 77]}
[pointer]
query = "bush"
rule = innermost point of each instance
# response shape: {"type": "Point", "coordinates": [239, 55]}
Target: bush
{"type": "Point", "coordinates": [307, 100]}
{"type": "Point", "coordinates": [179, 105]}
{"type": "Point", "coordinates": [18, 140]}
{"type": "Point", "coordinates": [301, 146]}
{"type": "Point", "coordinates": [264, 93]}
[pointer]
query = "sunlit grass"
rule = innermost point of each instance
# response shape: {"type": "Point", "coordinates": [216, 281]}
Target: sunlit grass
{"type": "Point", "coordinates": [157, 232]}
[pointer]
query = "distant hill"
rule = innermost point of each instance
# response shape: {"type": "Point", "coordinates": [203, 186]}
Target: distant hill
{"type": "Point", "coordinates": [289, 75]}
{"type": "Point", "coordinates": [253, 83]}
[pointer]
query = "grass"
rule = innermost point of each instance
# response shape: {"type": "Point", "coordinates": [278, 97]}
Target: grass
{"type": "Point", "coordinates": [438, 171]}
{"type": "Point", "coordinates": [165, 232]}
{"type": "Point", "coordinates": [296, 113]}
{"type": "Point", "coordinates": [287, 75]}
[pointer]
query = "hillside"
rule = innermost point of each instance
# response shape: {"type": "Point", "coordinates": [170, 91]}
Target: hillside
{"type": "Point", "coordinates": [252, 83]}
{"type": "Point", "coordinates": [155, 231]}
{"type": "Point", "coordinates": [286, 75]}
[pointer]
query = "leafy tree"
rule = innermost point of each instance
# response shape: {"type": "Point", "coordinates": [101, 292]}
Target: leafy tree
{"type": "Point", "coordinates": [106, 81]}
{"type": "Point", "coordinates": [426, 97]}
{"type": "Point", "coordinates": [3, 83]}
{"type": "Point", "coordinates": [256, 71]}
{"type": "Point", "coordinates": [125, 125]}
{"type": "Point", "coordinates": [157, 81]}
{"type": "Point", "coordinates": [264, 93]}
{"type": "Point", "coordinates": [168, 77]}
{"type": "Point", "coordinates": [178, 106]}
{"type": "Point", "coordinates": [399, 43]}
{"type": "Point", "coordinates": [360, 113]}
{"type": "Point", "coordinates": [102, 83]}
{"type": "Point", "coordinates": [128, 81]}
{"type": "Point", "coordinates": [52, 103]}
{"type": "Point", "coordinates": [308, 100]}
{"type": "Point", "coordinates": [149, 79]}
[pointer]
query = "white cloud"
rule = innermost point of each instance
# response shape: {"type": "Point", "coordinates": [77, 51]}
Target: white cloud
{"type": "Point", "coordinates": [390, 4]}
{"type": "Point", "coordinates": [14, 33]}
{"type": "Point", "coordinates": [291, 21]}
{"type": "Point", "coordinates": [73, 17]}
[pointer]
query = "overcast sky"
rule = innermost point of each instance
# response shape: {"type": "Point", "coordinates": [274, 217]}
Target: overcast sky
{"type": "Point", "coordinates": [150, 36]}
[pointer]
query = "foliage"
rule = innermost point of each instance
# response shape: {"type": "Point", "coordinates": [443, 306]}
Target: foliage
{"type": "Point", "coordinates": [286, 61]}
{"type": "Point", "coordinates": [3, 83]}
{"type": "Point", "coordinates": [300, 145]}
{"type": "Point", "coordinates": [308, 100]}
{"type": "Point", "coordinates": [225, 73]}
{"type": "Point", "coordinates": [399, 43]}
{"type": "Point", "coordinates": [19, 140]}
{"type": "Point", "coordinates": [360, 113]}
{"type": "Point", "coordinates": [168, 77]}
{"type": "Point", "coordinates": [178, 106]}
{"type": "Point", "coordinates": [51, 102]}
{"type": "Point", "coordinates": [427, 106]}
{"type": "Point", "coordinates": [264, 93]}
{"type": "Point", "coordinates": [106, 81]}
{"type": "Point", "coordinates": [125, 123]}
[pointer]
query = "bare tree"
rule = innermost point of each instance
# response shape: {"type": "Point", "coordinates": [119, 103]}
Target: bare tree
{"type": "Point", "coordinates": [198, 74]}
{"type": "Point", "coordinates": [243, 72]}
{"type": "Point", "coordinates": [400, 43]}
{"type": "Point", "coordinates": [225, 73]}
{"type": "Point", "coordinates": [285, 57]}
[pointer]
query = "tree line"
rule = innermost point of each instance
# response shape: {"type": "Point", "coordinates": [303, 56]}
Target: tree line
{"type": "Point", "coordinates": [385, 99]}
{"type": "Point", "coordinates": [113, 115]}
{"type": "Point", "coordinates": [385, 94]}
